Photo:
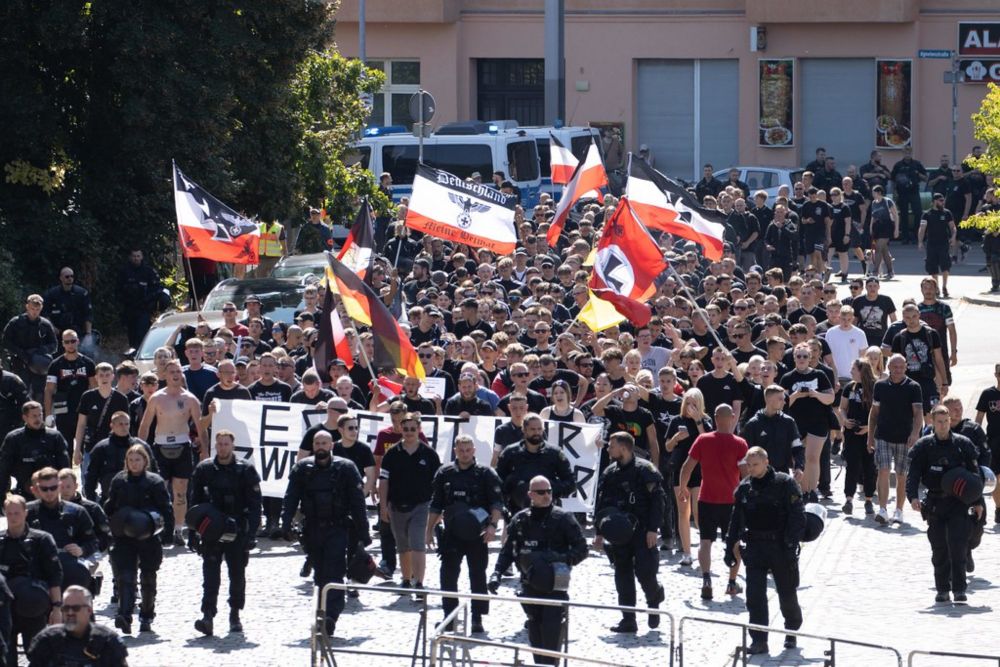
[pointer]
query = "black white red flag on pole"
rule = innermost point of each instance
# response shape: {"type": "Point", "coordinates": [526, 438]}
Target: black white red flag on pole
{"type": "Point", "coordinates": [663, 204]}
{"type": "Point", "coordinates": [211, 230]}
{"type": "Point", "coordinates": [588, 177]}
{"type": "Point", "coordinates": [358, 251]}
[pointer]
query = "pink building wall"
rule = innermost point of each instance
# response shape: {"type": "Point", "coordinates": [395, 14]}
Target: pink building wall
{"type": "Point", "coordinates": [603, 50]}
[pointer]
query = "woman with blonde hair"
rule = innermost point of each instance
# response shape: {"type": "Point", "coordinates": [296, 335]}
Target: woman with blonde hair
{"type": "Point", "coordinates": [681, 434]}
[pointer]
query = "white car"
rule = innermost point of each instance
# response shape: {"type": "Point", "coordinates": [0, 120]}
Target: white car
{"type": "Point", "coordinates": [768, 179]}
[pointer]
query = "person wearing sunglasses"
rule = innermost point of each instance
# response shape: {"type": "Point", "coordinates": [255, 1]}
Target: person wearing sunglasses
{"type": "Point", "coordinates": [232, 486]}
{"type": "Point", "coordinates": [349, 428]}
{"type": "Point", "coordinates": [810, 392]}
{"type": "Point", "coordinates": [329, 490]}
{"type": "Point", "coordinates": [68, 524]}
{"type": "Point", "coordinates": [540, 538]}
{"type": "Point", "coordinates": [77, 640]}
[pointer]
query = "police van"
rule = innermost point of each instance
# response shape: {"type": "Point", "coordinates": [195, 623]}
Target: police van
{"type": "Point", "coordinates": [577, 139]}
{"type": "Point", "coordinates": [458, 148]}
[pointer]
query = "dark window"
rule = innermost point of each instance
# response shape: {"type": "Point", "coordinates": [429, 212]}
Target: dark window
{"type": "Point", "coordinates": [511, 88]}
{"type": "Point", "coordinates": [579, 146]}
{"type": "Point", "coordinates": [359, 155]}
{"type": "Point", "coordinates": [522, 159]}
{"type": "Point", "coordinates": [544, 157]}
{"type": "Point", "coordinates": [458, 159]}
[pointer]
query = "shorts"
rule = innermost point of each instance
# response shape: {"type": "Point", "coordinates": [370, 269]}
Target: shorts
{"type": "Point", "coordinates": [995, 456]}
{"type": "Point", "coordinates": [938, 259]}
{"type": "Point", "coordinates": [815, 425]}
{"type": "Point", "coordinates": [886, 452]}
{"type": "Point", "coordinates": [840, 246]}
{"type": "Point", "coordinates": [819, 247]}
{"type": "Point", "coordinates": [409, 528]}
{"type": "Point", "coordinates": [713, 518]}
{"type": "Point", "coordinates": [693, 483]}
{"type": "Point", "coordinates": [179, 464]}
{"type": "Point", "coordinates": [860, 239]}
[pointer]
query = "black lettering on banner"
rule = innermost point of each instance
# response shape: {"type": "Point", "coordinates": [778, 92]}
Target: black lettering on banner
{"type": "Point", "coordinates": [311, 417]}
{"type": "Point", "coordinates": [280, 460]}
{"type": "Point", "coordinates": [247, 452]}
{"type": "Point", "coordinates": [566, 433]}
{"type": "Point", "coordinates": [265, 428]}
{"type": "Point", "coordinates": [369, 424]}
{"type": "Point", "coordinates": [581, 482]}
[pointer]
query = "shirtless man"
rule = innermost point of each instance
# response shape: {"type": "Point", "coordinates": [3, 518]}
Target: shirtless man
{"type": "Point", "coordinates": [174, 408]}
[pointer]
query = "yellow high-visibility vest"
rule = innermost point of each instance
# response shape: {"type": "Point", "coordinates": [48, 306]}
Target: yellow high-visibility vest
{"type": "Point", "coordinates": [270, 244]}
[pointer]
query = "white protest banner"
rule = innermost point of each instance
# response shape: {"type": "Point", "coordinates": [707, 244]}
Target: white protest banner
{"type": "Point", "coordinates": [268, 435]}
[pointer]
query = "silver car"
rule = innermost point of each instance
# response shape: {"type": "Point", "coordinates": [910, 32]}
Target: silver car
{"type": "Point", "coordinates": [768, 179]}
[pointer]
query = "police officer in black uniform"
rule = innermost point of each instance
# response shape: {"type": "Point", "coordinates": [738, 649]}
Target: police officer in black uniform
{"type": "Point", "coordinates": [232, 486]}
{"type": "Point", "coordinates": [540, 538]}
{"type": "Point", "coordinates": [134, 491]}
{"type": "Point", "coordinates": [519, 462]}
{"type": "Point", "coordinates": [629, 510]}
{"type": "Point", "coordinates": [107, 458]}
{"type": "Point", "coordinates": [138, 291]}
{"type": "Point", "coordinates": [13, 395]}
{"type": "Point", "coordinates": [769, 520]}
{"type": "Point", "coordinates": [964, 426]}
{"type": "Point", "coordinates": [67, 305]}
{"type": "Point", "coordinates": [331, 493]}
{"type": "Point", "coordinates": [77, 641]}
{"type": "Point", "coordinates": [947, 516]}
{"type": "Point", "coordinates": [468, 495]}
{"type": "Point", "coordinates": [69, 490]}
{"type": "Point", "coordinates": [31, 341]}
{"type": "Point", "coordinates": [68, 524]}
{"type": "Point", "coordinates": [30, 563]}
{"type": "Point", "coordinates": [30, 448]}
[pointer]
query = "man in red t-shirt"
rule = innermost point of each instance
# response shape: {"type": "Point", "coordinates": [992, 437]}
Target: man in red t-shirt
{"type": "Point", "coordinates": [720, 455]}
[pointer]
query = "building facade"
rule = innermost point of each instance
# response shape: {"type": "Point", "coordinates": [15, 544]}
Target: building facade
{"type": "Point", "coordinates": [751, 82]}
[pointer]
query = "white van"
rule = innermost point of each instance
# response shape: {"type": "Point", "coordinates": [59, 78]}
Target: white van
{"type": "Point", "coordinates": [577, 139]}
{"type": "Point", "coordinates": [458, 148]}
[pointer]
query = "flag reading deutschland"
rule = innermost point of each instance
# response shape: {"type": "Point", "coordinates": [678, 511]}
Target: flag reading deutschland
{"type": "Point", "coordinates": [209, 229]}
{"type": "Point", "coordinates": [393, 348]}
{"type": "Point", "coordinates": [448, 207]}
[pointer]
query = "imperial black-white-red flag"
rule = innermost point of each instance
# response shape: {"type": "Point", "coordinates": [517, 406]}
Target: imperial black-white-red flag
{"type": "Point", "coordinates": [210, 229]}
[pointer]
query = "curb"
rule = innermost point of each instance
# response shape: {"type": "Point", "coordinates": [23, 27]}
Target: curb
{"type": "Point", "coordinates": [981, 301]}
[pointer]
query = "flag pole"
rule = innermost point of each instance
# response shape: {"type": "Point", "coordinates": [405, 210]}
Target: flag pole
{"type": "Point", "coordinates": [361, 344]}
{"type": "Point", "coordinates": [184, 255]}
{"type": "Point", "coordinates": [694, 304]}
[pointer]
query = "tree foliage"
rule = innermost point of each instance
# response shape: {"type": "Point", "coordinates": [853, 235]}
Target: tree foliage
{"type": "Point", "coordinates": [986, 127]}
{"type": "Point", "coordinates": [97, 98]}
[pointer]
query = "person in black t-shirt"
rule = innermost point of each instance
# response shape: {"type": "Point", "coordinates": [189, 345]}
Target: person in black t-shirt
{"type": "Point", "coordinates": [809, 393]}
{"type": "Point", "coordinates": [68, 377]}
{"type": "Point", "coordinates": [873, 311]}
{"type": "Point", "coordinates": [907, 175]}
{"type": "Point", "coordinates": [855, 405]}
{"type": "Point", "coordinates": [958, 195]}
{"type": "Point", "coordinates": [629, 417]}
{"type": "Point", "coordinates": [840, 230]}
{"type": "Point", "coordinates": [94, 414]}
{"type": "Point", "coordinates": [720, 387]}
{"type": "Point", "coordinates": [921, 348]}
{"type": "Point", "coordinates": [883, 226]}
{"type": "Point", "coordinates": [465, 403]}
{"type": "Point", "coordinates": [269, 387]}
{"type": "Point", "coordinates": [937, 228]}
{"type": "Point", "coordinates": [817, 217]}
{"type": "Point", "coordinates": [356, 452]}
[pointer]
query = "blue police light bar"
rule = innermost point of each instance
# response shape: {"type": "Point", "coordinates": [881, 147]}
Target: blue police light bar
{"type": "Point", "coordinates": [378, 131]}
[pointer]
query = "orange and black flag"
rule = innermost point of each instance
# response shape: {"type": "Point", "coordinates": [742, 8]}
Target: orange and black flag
{"type": "Point", "coordinates": [393, 348]}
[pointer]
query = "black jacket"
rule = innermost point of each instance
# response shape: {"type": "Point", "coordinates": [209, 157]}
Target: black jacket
{"type": "Point", "coordinates": [635, 487]}
{"type": "Point", "coordinates": [233, 488]}
{"type": "Point", "coordinates": [779, 435]}
{"type": "Point", "coordinates": [546, 532]}
{"type": "Point", "coordinates": [769, 509]}
{"type": "Point", "coordinates": [26, 450]}
{"type": "Point", "coordinates": [329, 495]}
{"type": "Point", "coordinates": [147, 492]}
{"type": "Point", "coordinates": [13, 394]}
{"type": "Point", "coordinates": [107, 459]}
{"type": "Point", "coordinates": [55, 647]}
{"type": "Point", "coordinates": [24, 337]}
{"type": "Point", "coordinates": [33, 555]}
{"type": "Point", "coordinates": [68, 309]}
{"type": "Point", "coordinates": [931, 458]}
{"type": "Point", "coordinates": [137, 287]}
{"type": "Point", "coordinates": [516, 466]}
{"type": "Point", "coordinates": [67, 523]}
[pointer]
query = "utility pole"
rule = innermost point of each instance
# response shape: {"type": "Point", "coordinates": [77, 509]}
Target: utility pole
{"type": "Point", "coordinates": [555, 62]}
{"type": "Point", "coordinates": [361, 31]}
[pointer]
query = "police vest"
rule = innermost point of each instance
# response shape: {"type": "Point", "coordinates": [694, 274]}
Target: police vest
{"type": "Point", "coordinates": [270, 243]}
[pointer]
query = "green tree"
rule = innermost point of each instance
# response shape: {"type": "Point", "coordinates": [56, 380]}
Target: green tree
{"type": "Point", "coordinates": [97, 98]}
{"type": "Point", "coordinates": [986, 127]}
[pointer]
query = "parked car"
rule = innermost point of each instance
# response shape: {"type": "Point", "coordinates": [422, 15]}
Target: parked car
{"type": "Point", "coordinates": [280, 298]}
{"type": "Point", "coordinates": [768, 179]}
{"type": "Point", "coordinates": [300, 266]}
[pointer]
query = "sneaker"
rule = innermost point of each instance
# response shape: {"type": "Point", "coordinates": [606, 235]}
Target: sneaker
{"type": "Point", "coordinates": [942, 596]}
{"type": "Point", "coordinates": [124, 624]}
{"type": "Point", "coordinates": [970, 565]}
{"type": "Point", "coordinates": [757, 648]}
{"type": "Point", "coordinates": [733, 588]}
{"type": "Point", "coordinates": [882, 517]}
{"type": "Point", "coordinates": [625, 626]}
{"type": "Point", "coordinates": [686, 561]}
{"type": "Point", "coordinates": [205, 626]}
{"type": "Point", "coordinates": [234, 622]}
{"type": "Point", "coordinates": [848, 506]}
{"type": "Point", "coordinates": [405, 584]}
{"type": "Point", "coordinates": [477, 625]}
{"type": "Point", "coordinates": [383, 571]}
{"type": "Point", "coordinates": [961, 598]}
{"type": "Point", "coordinates": [706, 589]}
{"type": "Point", "coordinates": [418, 595]}
{"type": "Point", "coordinates": [179, 540]}
{"type": "Point", "coordinates": [897, 516]}
{"type": "Point", "coordinates": [306, 570]}
{"type": "Point", "coordinates": [869, 507]}
{"type": "Point", "coordinates": [944, 294]}
{"type": "Point", "coordinates": [654, 619]}
{"type": "Point", "coordinates": [145, 625]}
{"type": "Point", "coordinates": [791, 641]}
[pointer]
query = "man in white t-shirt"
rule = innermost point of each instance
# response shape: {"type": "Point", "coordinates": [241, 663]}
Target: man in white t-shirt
{"type": "Point", "coordinates": [653, 357]}
{"type": "Point", "coordinates": [847, 342]}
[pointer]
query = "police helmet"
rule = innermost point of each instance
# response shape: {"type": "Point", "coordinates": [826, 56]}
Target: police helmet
{"type": "Point", "coordinates": [989, 480]}
{"type": "Point", "coordinates": [815, 521]}
{"type": "Point", "coordinates": [211, 524]}
{"type": "Point", "coordinates": [31, 597]}
{"type": "Point", "coordinates": [362, 566]}
{"type": "Point", "coordinates": [134, 523]}
{"type": "Point", "coordinates": [963, 484]}
{"type": "Point", "coordinates": [468, 524]}
{"type": "Point", "coordinates": [39, 363]}
{"type": "Point", "coordinates": [75, 572]}
{"type": "Point", "coordinates": [615, 526]}
{"type": "Point", "coordinates": [546, 577]}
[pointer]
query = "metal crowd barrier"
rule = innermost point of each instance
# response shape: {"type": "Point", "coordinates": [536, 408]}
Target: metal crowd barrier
{"type": "Point", "coordinates": [324, 652]}
{"type": "Point", "coordinates": [945, 654]}
{"type": "Point", "coordinates": [741, 654]}
{"type": "Point", "coordinates": [440, 645]}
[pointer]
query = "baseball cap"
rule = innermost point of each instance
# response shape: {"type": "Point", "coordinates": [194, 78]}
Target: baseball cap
{"type": "Point", "coordinates": [251, 298]}
{"type": "Point", "coordinates": [241, 361]}
{"type": "Point", "coordinates": [937, 195]}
